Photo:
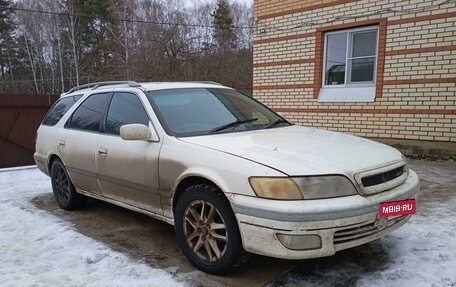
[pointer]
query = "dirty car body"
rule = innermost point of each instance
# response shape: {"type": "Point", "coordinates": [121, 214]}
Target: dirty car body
{"type": "Point", "coordinates": [231, 175]}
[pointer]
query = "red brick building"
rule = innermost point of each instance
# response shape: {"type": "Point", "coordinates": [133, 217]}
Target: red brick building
{"type": "Point", "coordinates": [384, 69]}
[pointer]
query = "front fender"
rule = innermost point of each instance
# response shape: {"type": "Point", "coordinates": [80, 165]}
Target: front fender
{"type": "Point", "coordinates": [180, 160]}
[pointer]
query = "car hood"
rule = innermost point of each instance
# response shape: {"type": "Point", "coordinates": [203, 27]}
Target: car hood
{"type": "Point", "coordinates": [297, 150]}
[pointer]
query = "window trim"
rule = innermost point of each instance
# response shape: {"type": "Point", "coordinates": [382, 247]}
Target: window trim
{"type": "Point", "coordinates": [319, 46]}
{"type": "Point", "coordinates": [78, 96]}
{"type": "Point", "coordinates": [349, 48]}
{"type": "Point", "coordinates": [105, 115]}
{"type": "Point", "coordinates": [67, 124]}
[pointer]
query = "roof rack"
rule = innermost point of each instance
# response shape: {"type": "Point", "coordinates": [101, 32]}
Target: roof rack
{"type": "Point", "coordinates": [208, 82]}
{"type": "Point", "coordinates": [99, 84]}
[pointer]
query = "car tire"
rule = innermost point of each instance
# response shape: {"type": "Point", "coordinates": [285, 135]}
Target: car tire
{"type": "Point", "coordinates": [207, 230]}
{"type": "Point", "coordinates": [64, 191]}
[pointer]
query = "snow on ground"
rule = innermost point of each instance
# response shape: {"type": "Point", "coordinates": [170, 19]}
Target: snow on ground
{"type": "Point", "coordinates": [39, 249]}
{"type": "Point", "coordinates": [423, 252]}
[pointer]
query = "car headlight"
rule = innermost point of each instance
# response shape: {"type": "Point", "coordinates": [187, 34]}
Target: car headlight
{"type": "Point", "coordinates": [316, 187]}
{"type": "Point", "coordinates": [293, 188]}
{"type": "Point", "coordinates": [275, 187]}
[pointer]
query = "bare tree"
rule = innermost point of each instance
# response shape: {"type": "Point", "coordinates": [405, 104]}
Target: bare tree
{"type": "Point", "coordinates": [122, 34]}
{"type": "Point", "coordinates": [72, 24]}
{"type": "Point", "coordinates": [144, 40]}
{"type": "Point", "coordinates": [31, 61]}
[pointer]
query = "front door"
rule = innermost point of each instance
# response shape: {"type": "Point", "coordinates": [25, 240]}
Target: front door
{"type": "Point", "coordinates": [128, 170]}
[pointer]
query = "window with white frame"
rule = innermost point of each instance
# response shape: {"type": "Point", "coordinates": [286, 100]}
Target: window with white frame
{"type": "Point", "coordinates": [350, 57]}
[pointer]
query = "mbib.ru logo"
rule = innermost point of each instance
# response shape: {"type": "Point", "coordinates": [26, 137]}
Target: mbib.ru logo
{"type": "Point", "coordinates": [395, 208]}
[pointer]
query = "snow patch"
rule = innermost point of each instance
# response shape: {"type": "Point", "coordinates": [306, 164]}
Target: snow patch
{"type": "Point", "coordinates": [422, 252]}
{"type": "Point", "coordinates": [39, 249]}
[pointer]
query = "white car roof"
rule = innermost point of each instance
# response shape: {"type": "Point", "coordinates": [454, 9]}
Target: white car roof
{"type": "Point", "coordinates": [147, 86]}
{"type": "Point", "coordinates": [150, 86]}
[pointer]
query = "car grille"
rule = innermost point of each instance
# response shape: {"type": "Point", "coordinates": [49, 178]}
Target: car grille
{"type": "Point", "coordinates": [374, 181]}
{"type": "Point", "coordinates": [382, 177]}
{"type": "Point", "coordinates": [361, 231]}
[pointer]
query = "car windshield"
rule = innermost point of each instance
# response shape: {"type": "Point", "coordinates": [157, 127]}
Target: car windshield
{"type": "Point", "coordinates": [203, 111]}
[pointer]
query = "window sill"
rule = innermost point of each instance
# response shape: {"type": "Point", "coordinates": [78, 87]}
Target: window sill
{"type": "Point", "coordinates": [363, 94]}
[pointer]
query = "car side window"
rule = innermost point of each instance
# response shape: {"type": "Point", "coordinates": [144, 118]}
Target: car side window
{"type": "Point", "coordinates": [88, 115]}
{"type": "Point", "coordinates": [125, 108]}
{"type": "Point", "coordinates": [59, 109]}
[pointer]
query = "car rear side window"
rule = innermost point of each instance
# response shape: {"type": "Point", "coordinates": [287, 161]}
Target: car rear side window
{"type": "Point", "coordinates": [58, 110]}
{"type": "Point", "coordinates": [88, 115]}
{"type": "Point", "coordinates": [125, 108]}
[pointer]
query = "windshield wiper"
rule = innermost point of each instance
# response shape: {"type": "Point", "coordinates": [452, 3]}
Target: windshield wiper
{"type": "Point", "coordinates": [232, 124]}
{"type": "Point", "coordinates": [278, 121]}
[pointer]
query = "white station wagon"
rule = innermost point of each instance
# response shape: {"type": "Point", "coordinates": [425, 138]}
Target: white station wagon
{"type": "Point", "coordinates": [231, 175]}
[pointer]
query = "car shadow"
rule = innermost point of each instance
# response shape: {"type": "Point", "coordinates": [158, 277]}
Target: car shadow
{"type": "Point", "coordinates": [344, 268]}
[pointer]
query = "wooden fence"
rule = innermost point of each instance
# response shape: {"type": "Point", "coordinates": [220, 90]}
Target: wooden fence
{"type": "Point", "coordinates": [20, 116]}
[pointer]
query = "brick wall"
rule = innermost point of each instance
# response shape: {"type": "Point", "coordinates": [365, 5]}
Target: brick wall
{"type": "Point", "coordinates": [416, 66]}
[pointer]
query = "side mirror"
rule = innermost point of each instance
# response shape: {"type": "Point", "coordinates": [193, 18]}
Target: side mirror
{"type": "Point", "coordinates": [136, 132]}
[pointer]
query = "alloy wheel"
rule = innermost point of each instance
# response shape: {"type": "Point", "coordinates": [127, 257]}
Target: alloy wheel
{"type": "Point", "coordinates": [205, 230]}
{"type": "Point", "coordinates": [62, 184]}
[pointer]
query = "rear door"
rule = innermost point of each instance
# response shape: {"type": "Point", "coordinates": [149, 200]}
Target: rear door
{"type": "Point", "coordinates": [128, 170]}
{"type": "Point", "coordinates": [78, 141]}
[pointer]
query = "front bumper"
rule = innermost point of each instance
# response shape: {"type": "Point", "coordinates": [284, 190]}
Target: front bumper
{"type": "Point", "coordinates": [339, 222]}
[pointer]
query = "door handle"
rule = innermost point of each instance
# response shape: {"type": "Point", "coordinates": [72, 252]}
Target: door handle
{"type": "Point", "coordinates": [102, 151]}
